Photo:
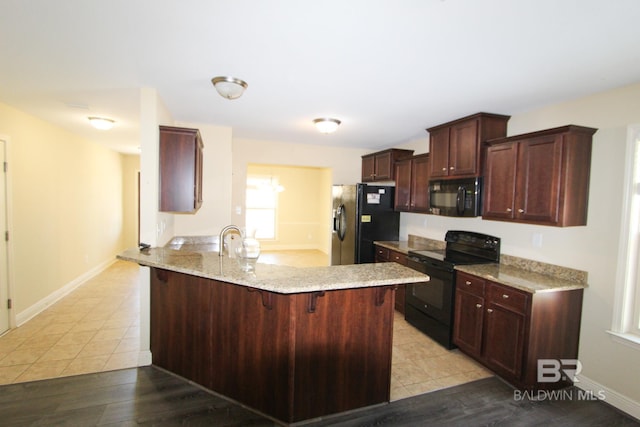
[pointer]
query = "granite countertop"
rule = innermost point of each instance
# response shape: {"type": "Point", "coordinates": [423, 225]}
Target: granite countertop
{"type": "Point", "coordinates": [527, 275]}
{"type": "Point", "coordinates": [522, 279]}
{"type": "Point", "coordinates": [274, 278]}
{"type": "Point", "coordinates": [413, 244]}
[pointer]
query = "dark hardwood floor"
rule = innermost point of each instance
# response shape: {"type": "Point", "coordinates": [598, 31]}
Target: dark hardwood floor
{"type": "Point", "coordinates": [149, 396]}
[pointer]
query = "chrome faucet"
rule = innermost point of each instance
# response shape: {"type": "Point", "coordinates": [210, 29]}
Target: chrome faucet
{"type": "Point", "coordinates": [223, 232]}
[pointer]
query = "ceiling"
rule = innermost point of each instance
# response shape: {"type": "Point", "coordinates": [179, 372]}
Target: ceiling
{"type": "Point", "coordinates": [387, 68]}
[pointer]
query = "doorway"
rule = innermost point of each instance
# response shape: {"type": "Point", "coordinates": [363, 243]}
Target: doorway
{"type": "Point", "coordinates": [4, 264]}
{"type": "Point", "coordinates": [289, 207]}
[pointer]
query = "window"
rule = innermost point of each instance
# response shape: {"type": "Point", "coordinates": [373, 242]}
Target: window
{"type": "Point", "coordinates": [626, 321]}
{"type": "Point", "coordinates": [262, 201]}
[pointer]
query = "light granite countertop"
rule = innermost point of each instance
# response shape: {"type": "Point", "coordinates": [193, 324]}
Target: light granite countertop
{"type": "Point", "coordinates": [519, 278]}
{"type": "Point", "coordinates": [275, 278]}
{"type": "Point", "coordinates": [527, 275]}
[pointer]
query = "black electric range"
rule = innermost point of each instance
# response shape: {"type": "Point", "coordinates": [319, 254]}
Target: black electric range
{"type": "Point", "coordinates": [429, 306]}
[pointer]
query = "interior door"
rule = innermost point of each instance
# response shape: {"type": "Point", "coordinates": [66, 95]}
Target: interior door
{"type": "Point", "coordinates": [4, 276]}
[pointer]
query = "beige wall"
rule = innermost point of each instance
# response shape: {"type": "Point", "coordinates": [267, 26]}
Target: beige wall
{"type": "Point", "coordinates": [66, 207]}
{"type": "Point", "coordinates": [343, 163]}
{"type": "Point", "coordinates": [302, 216]}
{"type": "Point", "coordinates": [214, 213]}
{"type": "Point", "coordinates": [593, 248]}
{"type": "Point", "coordinates": [130, 171]}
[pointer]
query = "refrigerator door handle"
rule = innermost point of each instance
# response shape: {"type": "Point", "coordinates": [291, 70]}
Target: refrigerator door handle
{"type": "Point", "coordinates": [341, 218]}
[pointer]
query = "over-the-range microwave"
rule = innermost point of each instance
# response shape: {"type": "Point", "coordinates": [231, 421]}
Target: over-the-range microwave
{"type": "Point", "coordinates": [456, 197]}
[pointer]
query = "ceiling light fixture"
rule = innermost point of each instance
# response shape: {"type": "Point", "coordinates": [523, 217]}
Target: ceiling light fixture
{"type": "Point", "coordinates": [326, 124]}
{"type": "Point", "coordinates": [101, 123]}
{"type": "Point", "coordinates": [229, 87]}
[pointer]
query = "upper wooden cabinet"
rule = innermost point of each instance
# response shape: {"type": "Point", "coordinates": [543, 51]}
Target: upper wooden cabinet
{"type": "Point", "coordinates": [540, 177]}
{"type": "Point", "coordinates": [180, 170]}
{"type": "Point", "coordinates": [380, 166]}
{"type": "Point", "coordinates": [412, 184]}
{"type": "Point", "coordinates": [456, 147]}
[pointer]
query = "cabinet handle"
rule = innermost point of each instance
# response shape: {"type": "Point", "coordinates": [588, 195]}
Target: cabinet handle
{"type": "Point", "coordinates": [489, 310]}
{"type": "Point", "coordinates": [521, 210]}
{"type": "Point", "coordinates": [505, 296]}
{"type": "Point", "coordinates": [444, 169]}
{"type": "Point", "coordinates": [478, 305]}
{"type": "Point", "coordinates": [451, 168]}
{"type": "Point", "coordinates": [508, 209]}
{"type": "Point", "coordinates": [467, 282]}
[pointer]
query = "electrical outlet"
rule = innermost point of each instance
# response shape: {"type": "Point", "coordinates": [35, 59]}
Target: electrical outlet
{"type": "Point", "coordinates": [536, 240]}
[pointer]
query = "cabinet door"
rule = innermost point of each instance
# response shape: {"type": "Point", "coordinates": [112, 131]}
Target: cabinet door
{"type": "Point", "coordinates": [384, 166]}
{"type": "Point", "coordinates": [500, 181]}
{"type": "Point", "coordinates": [403, 185]}
{"type": "Point", "coordinates": [463, 148]}
{"type": "Point", "coordinates": [180, 155]}
{"type": "Point", "coordinates": [504, 340]}
{"type": "Point", "coordinates": [439, 152]}
{"type": "Point", "coordinates": [368, 168]}
{"type": "Point", "coordinates": [538, 179]}
{"type": "Point", "coordinates": [467, 323]}
{"type": "Point", "coordinates": [420, 183]}
{"type": "Point", "coordinates": [382, 254]}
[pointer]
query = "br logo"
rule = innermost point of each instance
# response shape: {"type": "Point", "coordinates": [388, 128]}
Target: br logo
{"type": "Point", "coordinates": [554, 370]}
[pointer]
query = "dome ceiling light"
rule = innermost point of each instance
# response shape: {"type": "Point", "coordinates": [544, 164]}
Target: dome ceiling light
{"type": "Point", "coordinates": [326, 124]}
{"type": "Point", "coordinates": [229, 87]}
{"type": "Point", "coordinates": [101, 123]}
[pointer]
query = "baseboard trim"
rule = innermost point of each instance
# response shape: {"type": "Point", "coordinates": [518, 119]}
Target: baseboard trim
{"type": "Point", "coordinates": [612, 397]}
{"type": "Point", "coordinates": [144, 358]}
{"type": "Point", "coordinates": [37, 308]}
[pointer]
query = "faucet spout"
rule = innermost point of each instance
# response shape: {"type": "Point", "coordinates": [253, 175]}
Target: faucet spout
{"type": "Point", "coordinates": [224, 231]}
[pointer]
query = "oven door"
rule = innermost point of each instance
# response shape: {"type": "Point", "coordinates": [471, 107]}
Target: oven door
{"type": "Point", "coordinates": [435, 297]}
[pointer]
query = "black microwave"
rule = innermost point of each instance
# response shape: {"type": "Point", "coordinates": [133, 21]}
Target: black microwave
{"type": "Point", "coordinates": [456, 197]}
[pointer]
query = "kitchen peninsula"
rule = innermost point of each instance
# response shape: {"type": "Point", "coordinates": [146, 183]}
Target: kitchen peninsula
{"type": "Point", "coordinates": [293, 343]}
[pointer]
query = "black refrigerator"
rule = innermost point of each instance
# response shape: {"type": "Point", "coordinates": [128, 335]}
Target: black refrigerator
{"type": "Point", "coordinates": [362, 214]}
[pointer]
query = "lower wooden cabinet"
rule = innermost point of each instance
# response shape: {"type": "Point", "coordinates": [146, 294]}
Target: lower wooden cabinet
{"type": "Point", "coordinates": [293, 357]}
{"type": "Point", "coordinates": [388, 255]}
{"type": "Point", "coordinates": [509, 330]}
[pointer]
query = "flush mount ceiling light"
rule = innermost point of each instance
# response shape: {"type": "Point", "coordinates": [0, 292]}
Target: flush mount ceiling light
{"type": "Point", "coordinates": [326, 124]}
{"type": "Point", "coordinates": [101, 123]}
{"type": "Point", "coordinates": [229, 87]}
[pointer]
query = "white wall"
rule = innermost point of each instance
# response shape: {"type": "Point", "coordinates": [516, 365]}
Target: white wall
{"type": "Point", "coordinates": [593, 248]}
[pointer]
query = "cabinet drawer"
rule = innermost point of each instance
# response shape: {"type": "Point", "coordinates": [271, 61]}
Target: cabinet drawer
{"type": "Point", "coordinates": [508, 297]}
{"type": "Point", "coordinates": [382, 253]}
{"type": "Point", "coordinates": [398, 257]}
{"type": "Point", "coordinates": [472, 284]}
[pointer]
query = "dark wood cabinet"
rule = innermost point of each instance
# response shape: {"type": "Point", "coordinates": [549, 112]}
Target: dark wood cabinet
{"type": "Point", "coordinates": [180, 153]}
{"type": "Point", "coordinates": [412, 184]}
{"type": "Point", "coordinates": [456, 147]}
{"type": "Point", "coordinates": [388, 255]}
{"type": "Point", "coordinates": [509, 330]}
{"type": "Point", "coordinates": [380, 166]}
{"type": "Point", "coordinates": [540, 178]}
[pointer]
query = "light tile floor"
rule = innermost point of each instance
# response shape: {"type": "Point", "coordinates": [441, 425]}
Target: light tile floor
{"type": "Point", "coordinates": [96, 328]}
